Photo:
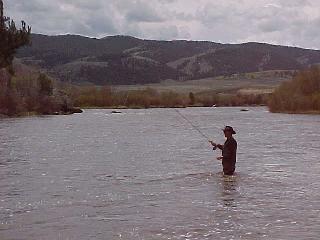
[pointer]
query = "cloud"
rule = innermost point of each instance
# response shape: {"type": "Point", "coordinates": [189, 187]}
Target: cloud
{"type": "Point", "coordinates": [293, 22]}
{"type": "Point", "coordinates": [140, 11]}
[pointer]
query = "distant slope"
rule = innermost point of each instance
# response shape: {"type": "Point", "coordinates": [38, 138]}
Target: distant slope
{"type": "Point", "coordinates": [245, 58]}
{"type": "Point", "coordinates": [129, 60]}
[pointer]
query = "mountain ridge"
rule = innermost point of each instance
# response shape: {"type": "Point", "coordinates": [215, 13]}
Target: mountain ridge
{"type": "Point", "coordinates": [119, 59]}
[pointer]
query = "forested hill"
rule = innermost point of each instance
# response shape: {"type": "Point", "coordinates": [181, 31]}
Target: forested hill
{"type": "Point", "coordinates": [129, 60]}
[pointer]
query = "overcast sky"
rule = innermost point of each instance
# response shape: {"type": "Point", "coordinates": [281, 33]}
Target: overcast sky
{"type": "Point", "coordinates": [285, 22]}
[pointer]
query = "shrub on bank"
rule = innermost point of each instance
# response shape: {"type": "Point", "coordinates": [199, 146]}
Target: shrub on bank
{"type": "Point", "coordinates": [302, 94]}
{"type": "Point", "coordinates": [94, 96]}
{"type": "Point", "coordinates": [33, 93]}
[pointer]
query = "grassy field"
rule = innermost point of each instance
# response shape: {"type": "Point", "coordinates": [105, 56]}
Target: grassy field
{"type": "Point", "coordinates": [238, 90]}
{"type": "Point", "coordinates": [249, 83]}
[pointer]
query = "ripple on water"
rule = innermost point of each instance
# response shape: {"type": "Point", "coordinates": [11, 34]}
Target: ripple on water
{"type": "Point", "coordinates": [145, 174]}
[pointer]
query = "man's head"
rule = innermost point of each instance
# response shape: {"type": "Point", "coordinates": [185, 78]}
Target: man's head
{"type": "Point", "coordinates": [228, 131]}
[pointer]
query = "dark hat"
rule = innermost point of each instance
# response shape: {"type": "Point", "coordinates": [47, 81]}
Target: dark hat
{"type": "Point", "coordinates": [229, 129]}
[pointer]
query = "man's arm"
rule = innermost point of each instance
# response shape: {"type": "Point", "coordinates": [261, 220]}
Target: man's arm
{"type": "Point", "coordinates": [216, 145]}
{"type": "Point", "coordinates": [220, 146]}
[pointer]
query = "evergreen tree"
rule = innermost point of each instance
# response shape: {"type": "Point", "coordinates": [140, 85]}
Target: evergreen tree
{"type": "Point", "coordinates": [11, 39]}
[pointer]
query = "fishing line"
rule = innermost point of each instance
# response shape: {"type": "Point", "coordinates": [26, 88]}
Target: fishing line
{"type": "Point", "coordinates": [194, 126]}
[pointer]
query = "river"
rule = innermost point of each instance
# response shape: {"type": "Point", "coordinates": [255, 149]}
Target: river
{"type": "Point", "coordinates": [147, 174]}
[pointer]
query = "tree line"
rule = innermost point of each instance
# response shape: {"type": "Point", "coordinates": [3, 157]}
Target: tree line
{"type": "Point", "coordinates": [107, 97]}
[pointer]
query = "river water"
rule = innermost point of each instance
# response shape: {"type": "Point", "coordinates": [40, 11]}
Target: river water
{"type": "Point", "coordinates": [147, 174]}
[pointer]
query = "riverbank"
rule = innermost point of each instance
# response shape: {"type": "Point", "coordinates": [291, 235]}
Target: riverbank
{"type": "Point", "coordinates": [315, 112]}
{"type": "Point", "coordinates": [163, 107]}
{"type": "Point", "coordinates": [30, 114]}
{"type": "Point", "coordinates": [29, 92]}
{"type": "Point", "coordinates": [34, 93]}
{"type": "Point", "coordinates": [107, 97]}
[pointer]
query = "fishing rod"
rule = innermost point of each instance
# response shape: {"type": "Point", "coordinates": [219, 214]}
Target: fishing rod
{"type": "Point", "coordinates": [197, 128]}
{"type": "Point", "coordinates": [194, 126]}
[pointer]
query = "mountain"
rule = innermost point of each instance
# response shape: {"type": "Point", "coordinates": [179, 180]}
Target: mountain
{"type": "Point", "coordinates": [128, 60]}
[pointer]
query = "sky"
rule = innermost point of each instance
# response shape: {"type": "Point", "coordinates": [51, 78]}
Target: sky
{"type": "Point", "coordinates": [284, 22]}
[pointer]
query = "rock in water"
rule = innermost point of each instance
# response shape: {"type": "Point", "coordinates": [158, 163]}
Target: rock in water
{"type": "Point", "coordinates": [115, 112]}
{"type": "Point", "coordinates": [76, 110]}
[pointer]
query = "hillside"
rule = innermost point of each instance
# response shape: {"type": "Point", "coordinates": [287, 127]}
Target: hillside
{"type": "Point", "coordinates": [120, 60]}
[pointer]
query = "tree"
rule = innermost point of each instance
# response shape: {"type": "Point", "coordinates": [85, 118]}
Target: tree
{"type": "Point", "coordinates": [191, 98]}
{"type": "Point", "coordinates": [11, 39]}
{"type": "Point", "coordinates": [45, 85]}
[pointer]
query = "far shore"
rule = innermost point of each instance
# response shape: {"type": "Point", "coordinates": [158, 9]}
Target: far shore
{"type": "Point", "coordinates": [177, 106]}
{"type": "Point", "coordinates": [242, 108]}
{"type": "Point", "coordinates": [299, 112]}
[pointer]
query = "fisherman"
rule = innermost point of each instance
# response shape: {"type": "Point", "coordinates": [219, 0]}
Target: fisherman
{"type": "Point", "coordinates": [229, 151]}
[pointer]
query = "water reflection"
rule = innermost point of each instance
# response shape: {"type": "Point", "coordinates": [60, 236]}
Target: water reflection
{"type": "Point", "coordinates": [229, 190]}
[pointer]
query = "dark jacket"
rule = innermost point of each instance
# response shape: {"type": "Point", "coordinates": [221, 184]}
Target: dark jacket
{"type": "Point", "coordinates": [229, 154]}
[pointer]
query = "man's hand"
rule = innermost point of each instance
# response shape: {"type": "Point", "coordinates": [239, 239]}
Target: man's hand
{"type": "Point", "coordinates": [212, 143]}
{"type": "Point", "coordinates": [220, 158]}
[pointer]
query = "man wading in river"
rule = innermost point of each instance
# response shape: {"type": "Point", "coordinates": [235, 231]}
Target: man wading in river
{"type": "Point", "coordinates": [229, 151]}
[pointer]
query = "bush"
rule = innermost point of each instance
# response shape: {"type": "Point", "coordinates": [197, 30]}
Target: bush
{"type": "Point", "coordinates": [32, 93]}
{"type": "Point", "coordinates": [302, 94]}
